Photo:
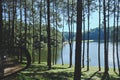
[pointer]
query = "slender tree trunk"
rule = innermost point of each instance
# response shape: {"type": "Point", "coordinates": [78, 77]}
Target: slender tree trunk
{"type": "Point", "coordinates": [20, 28]}
{"type": "Point", "coordinates": [45, 11]}
{"type": "Point", "coordinates": [9, 23]}
{"type": "Point", "coordinates": [40, 32]}
{"type": "Point", "coordinates": [56, 32]}
{"type": "Point", "coordinates": [71, 34]}
{"type": "Point", "coordinates": [4, 24]}
{"type": "Point", "coordinates": [53, 32]}
{"type": "Point", "coordinates": [25, 12]}
{"type": "Point", "coordinates": [62, 42]}
{"type": "Point", "coordinates": [105, 43]}
{"type": "Point", "coordinates": [117, 50]}
{"type": "Point", "coordinates": [83, 65]}
{"type": "Point", "coordinates": [77, 73]}
{"type": "Point", "coordinates": [1, 55]}
{"type": "Point", "coordinates": [114, 39]}
{"type": "Point", "coordinates": [69, 41]}
{"type": "Point", "coordinates": [48, 33]}
{"type": "Point", "coordinates": [54, 46]}
{"type": "Point", "coordinates": [33, 56]}
{"type": "Point", "coordinates": [88, 35]}
{"type": "Point", "coordinates": [15, 21]}
{"type": "Point", "coordinates": [56, 41]}
{"type": "Point", "coordinates": [9, 26]}
{"type": "Point", "coordinates": [13, 18]}
{"type": "Point", "coordinates": [108, 29]}
{"type": "Point", "coordinates": [99, 66]}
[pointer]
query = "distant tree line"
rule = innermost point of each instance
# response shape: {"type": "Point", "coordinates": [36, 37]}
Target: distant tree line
{"type": "Point", "coordinates": [93, 34]}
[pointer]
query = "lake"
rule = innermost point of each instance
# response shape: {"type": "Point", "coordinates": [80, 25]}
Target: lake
{"type": "Point", "coordinates": [93, 54]}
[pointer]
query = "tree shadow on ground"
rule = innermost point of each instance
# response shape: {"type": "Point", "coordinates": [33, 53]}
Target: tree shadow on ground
{"type": "Point", "coordinates": [99, 75]}
{"type": "Point", "coordinates": [106, 76]}
{"type": "Point", "coordinates": [41, 72]}
{"type": "Point", "coordinates": [117, 73]}
{"type": "Point", "coordinates": [36, 72]}
{"type": "Point", "coordinates": [92, 75]}
{"type": "Point", "coordinates": [37, 68]}
{"type": "Point", "coordinates": [58, 75]}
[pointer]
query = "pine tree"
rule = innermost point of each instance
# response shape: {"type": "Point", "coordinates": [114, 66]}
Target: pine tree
{"type": "Point", "coordinates": [77, 72]}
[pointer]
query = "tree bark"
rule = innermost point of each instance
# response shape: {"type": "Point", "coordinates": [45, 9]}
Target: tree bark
{"type": "Point", "coordinates": [83, 59]}
{"type": "Point", "coordinates": [69, 41]}
{"type": "Point", "coordinates": [25, 12]}
{"type": "Point", "coordinates": [33, 55]}
{"type": "Point", "coordinates": [62, 42]}
{"type": "Point", "coordinates": [13, 18]}
{"type": "Point", "coordinates": [1, 55]}
{"type": "Point", "coordinates": [20, 29]}
{"type": "Point", "coordinates": [48, 33]}
{"type": "Point", "coordinates": [117, 49]}
{"type": "Point", "coordinates": [56, 32]}
{"type": "Point", "coordinates": [105, 42]}
{"type": "Point", "coordinates": [53, 32]}
{"type": "Point", "coordinates": [77, 72]}
{"type": "Point", "coordinates": [114, 38]}
{"type": "Point", "coordinates": [99, 34]}
{"type": "Point", "coordinates": [39, 60]}
{"type": "Point", "coordinates": [88, 35]}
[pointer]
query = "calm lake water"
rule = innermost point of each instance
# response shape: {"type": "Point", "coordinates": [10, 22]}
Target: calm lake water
{"type": "Point", "coordinates": [93, 54]}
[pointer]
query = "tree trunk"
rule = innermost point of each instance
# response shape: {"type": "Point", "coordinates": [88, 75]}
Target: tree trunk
{"type": "Point", "coordinates": [62, 42]}
{"type": "Point", "coordinates": [53, 32]}
{"type": "Point", "coordinates": [20, 29]}
{"type": "Point", "coordinates": [83, 58]}
{"type": "Point", "coordinates": [48, 33]}
{"type": "Point", "coordinates": [13, 18]}
{"type": "Point", "coordinates": [105, 42]}
{"type": "Point", "coordinates": [25, 12]}
{"type": "Point", "coordinates": [88, 36]}
{"type": "Point", "coordinates": [56, 34]}
{"type": "Point", "coordinates": [9, 25]}
{"type": "Point", "coordinates": [99, 65]}
{"type": "Point", "coordinates": [77, 72]}
{"type": "Point", "coordinates": [69, 41]}
{"type": "Point", "coordinates": [39, 60]}
{"type": "Point", "coordinates": [117, 49]}
{"type": "Point", "coordinates": [1, 55]}
{"type": "Point", "coordinates": [114, 39]}
{"type": "Point", "coordinates": [33, 55]}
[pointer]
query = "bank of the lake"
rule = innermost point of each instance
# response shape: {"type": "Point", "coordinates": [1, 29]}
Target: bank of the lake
{"type": "Point", "coordinates": [93, 54]}
{"type": "Point", "coordinates": [59, 72]}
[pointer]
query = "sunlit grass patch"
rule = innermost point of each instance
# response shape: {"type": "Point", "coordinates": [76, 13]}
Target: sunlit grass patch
{"type": "Point", "coordinates": [59, 72]}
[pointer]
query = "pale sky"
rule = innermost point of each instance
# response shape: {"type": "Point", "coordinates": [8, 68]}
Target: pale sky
{"type": "Point", "coordinates": [94, 21]}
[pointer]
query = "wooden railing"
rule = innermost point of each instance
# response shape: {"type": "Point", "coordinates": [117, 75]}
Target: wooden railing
{"type": "Point", "coordinates": [11, 61]}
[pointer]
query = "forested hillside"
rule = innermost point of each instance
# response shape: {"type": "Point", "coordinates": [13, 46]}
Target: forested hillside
{"type": "Point", "coordinates": [66, 36]}
{"type": "Point", "coordinates": [93, 34]}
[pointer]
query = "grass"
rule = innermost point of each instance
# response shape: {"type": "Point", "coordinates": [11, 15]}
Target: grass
{"type": "Point", "coordinates": [59, 72]}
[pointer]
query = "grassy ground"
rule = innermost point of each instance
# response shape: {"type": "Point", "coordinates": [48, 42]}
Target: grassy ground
{"type": "Point", "coordinates": [59, 72]}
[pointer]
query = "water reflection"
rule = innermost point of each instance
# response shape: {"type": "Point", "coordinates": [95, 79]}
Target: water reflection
{"type": "Point", "coordinates": [93, 54]}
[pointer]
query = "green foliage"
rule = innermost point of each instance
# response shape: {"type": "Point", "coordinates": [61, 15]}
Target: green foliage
{"type": "Point", "coordinates": [19, 36]}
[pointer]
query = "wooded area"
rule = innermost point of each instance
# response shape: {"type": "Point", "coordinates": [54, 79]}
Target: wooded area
{"type": "Point", "coordinates": [33, 30]}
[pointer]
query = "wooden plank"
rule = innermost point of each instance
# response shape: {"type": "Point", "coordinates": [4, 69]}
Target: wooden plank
{"type": "Point", "coordinates": [11, 70]}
